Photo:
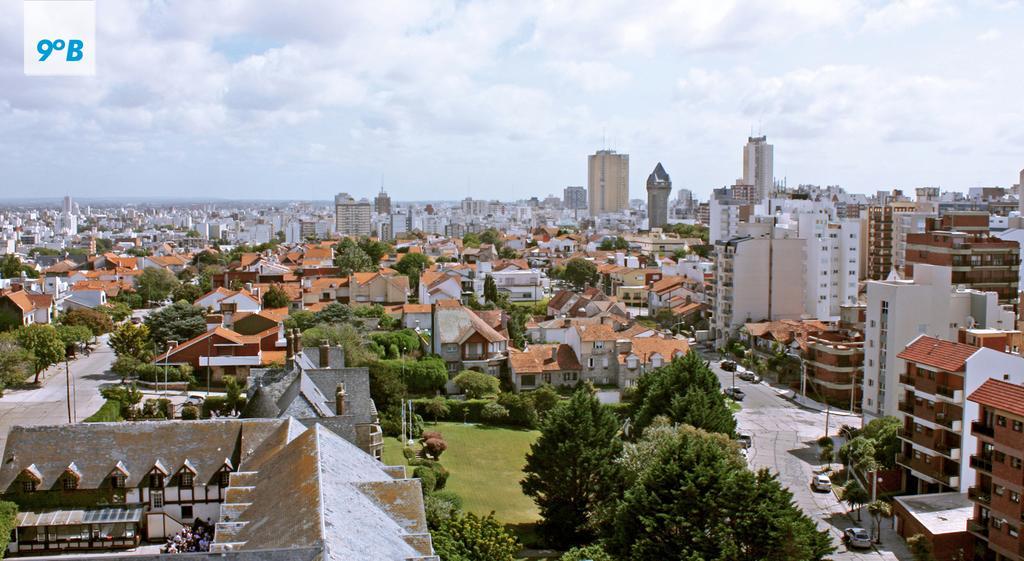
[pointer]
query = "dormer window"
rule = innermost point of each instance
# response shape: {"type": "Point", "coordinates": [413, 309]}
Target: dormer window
{"type": "Point", "coordinates": [69, 482]}
{"type": "Point", "coordinates": [29, 485]}
{"type": "Point", "coordinates": [225, 478]}
{"type": "Point", "coordinates": [118, 480]}
{"type": "Point", "coordinates": [156, 480]}
{"type": "Point", "coordinates": [187, 479]}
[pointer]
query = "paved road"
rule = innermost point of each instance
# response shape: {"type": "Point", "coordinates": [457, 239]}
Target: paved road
{"type": "Point", "coordinates": [784, 436]}
{"type": "Point", "coordinates": [48, 404]}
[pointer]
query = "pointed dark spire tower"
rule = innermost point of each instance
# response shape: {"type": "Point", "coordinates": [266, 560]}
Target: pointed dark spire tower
{"type": "Point", "coordinates": [659, 186]}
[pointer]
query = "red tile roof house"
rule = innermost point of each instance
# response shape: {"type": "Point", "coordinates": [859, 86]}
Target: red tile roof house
{"type": "Point", "coordinates": [554, 364]}
{"type": "Point", "coordinates": [227, 353]}
{"type": "Point", "coordinates": [27, 308]}
{"type": "Point", "coordinates": [937, 378]}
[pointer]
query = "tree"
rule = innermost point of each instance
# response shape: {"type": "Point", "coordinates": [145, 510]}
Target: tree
{"type": "Point", "coordinates": [544, 398]}
{"type": "Point", "coordinates": [95, 321]}
{"type": "Point", "coordinates": [569, 471]}
{"type": "Point", "coordinates": [435, 446]}
{"type": "Point", "coordinates": [411, 265]}
{"type": "Point", "coordinates": [301, 320]}
{"type": "Point", "coordinates": [130, 340]}
{"type": "Point", "coordinates": [73, 335]}
{"type": "Point", "coordinates": [490, 289]}
{"type": "Point", "coordinates": [374, 249]}
{"type": "Point", "coordinates": [580, 273]}
{"type": "Point", "coordinates": [116, 311]}
{"type": "Point", "coordinates": [350, 259]}
{"type": "Point", "coordinates": [232, 393]}
{"type": "Point", "coordinates": [877, 509]}
{"type": "Point", "coordinates": [476, 384]}
{"type": "Point", "coordinates": [471, 239]}
{"type": "Point", "coordinates": [491, 236]}
{"type": "Point", "coordinates": [335, 312]}
{"type": "Point", "coordinates": [494, 412]}
{"type": "Point", "coordinates": [468, 537]}
{"type": "Point", "coordinates": [344, 335]}
{"type": "Point", "coordinates": [156, 284]}
{"type": "Point", "coordinates": [44, 343]}
{"type": "Point", "coordinates": [827, 454]}
{"type": "Point", "coordinates": [610, 244]}
{"type": "Point", "coordinates": [856, 496]}
{"type": "Point", "coordinates": [921, 547]}
{"type": "Point", "coordinates": [275, 297]}
{"type": "Point", "coordinates": [16, 363]}
{"type": "Point", "coordinates": [686, 391]}
{"type": "Point", "coordinates": [692, 497]}
{"type": "Point", "coordinates": [10, 266]}
{"type": "Point", "coordinates": [188, 292]}
{"type": "Point", "coordinates": [437, 407]}
{"type": "Point", "coordinates": [587, 553]}
{"type": "Point", "coordinates": [179, 322]}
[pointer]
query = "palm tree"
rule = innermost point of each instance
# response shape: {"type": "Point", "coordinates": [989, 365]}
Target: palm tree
{"type": "Point", "coordinates": [877, 509]}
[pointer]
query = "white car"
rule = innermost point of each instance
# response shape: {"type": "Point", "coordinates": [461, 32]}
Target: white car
{"type": "Point", "coordinates": [821, 483]}
{"type": "Point", "coordinates": [857, 538]}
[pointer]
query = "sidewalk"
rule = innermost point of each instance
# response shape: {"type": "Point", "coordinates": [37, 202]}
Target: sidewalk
{"type": "Point", "coordinates": [808, 403]}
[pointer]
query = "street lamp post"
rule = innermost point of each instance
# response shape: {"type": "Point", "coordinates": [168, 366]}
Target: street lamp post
{"type": "Point", "coordinates": [167, 358]}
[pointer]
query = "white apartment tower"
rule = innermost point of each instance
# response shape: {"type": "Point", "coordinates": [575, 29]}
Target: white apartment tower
{"type": "Point", "coordinates": [758, 157]}
{"type": "Point", "coordinates": [351, 217]}
{"type": "Point", "coordinates": [833, 262]}
{"type": "Point", "coordinates": [608, 182]}
{"type": "Point", "coordinates": [898, 311]}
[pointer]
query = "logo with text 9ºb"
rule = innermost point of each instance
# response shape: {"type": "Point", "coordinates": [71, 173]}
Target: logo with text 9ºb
{"type": "Point", "coordinates": [60, 37]}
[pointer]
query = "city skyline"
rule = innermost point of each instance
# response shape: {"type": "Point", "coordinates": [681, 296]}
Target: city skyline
{"type": "Point", "coordinates": [247, 102]}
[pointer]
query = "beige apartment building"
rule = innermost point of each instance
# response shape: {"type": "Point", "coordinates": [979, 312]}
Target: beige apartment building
{"type": "Point", "coordinates": [351, 217]}
{"type": "Point", "coordinates": [608, 182]}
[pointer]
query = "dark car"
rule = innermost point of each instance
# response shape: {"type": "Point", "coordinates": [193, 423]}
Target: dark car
{"type": "Point", "coordinates": [744, 440]}
{"type": "Point", "coordinates": [728, 366]}
{"type": "Point", "coordinates": [735, 393]}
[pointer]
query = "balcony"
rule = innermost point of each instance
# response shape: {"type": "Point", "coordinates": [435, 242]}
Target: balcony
{"type": "Point", "coordinates": [906, 407]}
{"type": "Point", "coordinates": [979, 428]}
{"type": "Point", "coordinates": [980, 463]}
{"type": "Point", "coordinates": [906, 380]}
{"type": "Point", "coordinates": [949, 393]}
{"type": "Point", "coordinates": [979, 495]}
{"type": "Point", "coordinates": [978, 528]}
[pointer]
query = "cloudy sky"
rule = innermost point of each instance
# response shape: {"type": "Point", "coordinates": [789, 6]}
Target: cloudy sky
{"type": "Point", "coordinates": [301, 99]}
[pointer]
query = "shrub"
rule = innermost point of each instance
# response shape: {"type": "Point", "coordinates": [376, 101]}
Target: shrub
{"type": "Point", "coordinates": [8, 521]}
{"type": "Point", "coordinates": [189, 413]}
{"type": "Point", "coordinates": [435, 447]}
{"type": "Point", "coordinates": [476, 384]}
{"type": "Point", "coordinates": [521, 410]}
{"type": "Point", "coordinates": [494, 412]}
{"type": "Point", "coordinates": [419, 376]}
{"type": "Point", "coordinates": [441, 506]}
{"type": "Point", "coordinates": [427, 479]}
{"type": "Point", "coordinates": [408, 453]}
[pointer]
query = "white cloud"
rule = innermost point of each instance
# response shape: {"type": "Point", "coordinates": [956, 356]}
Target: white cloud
{"type": "Point", "coordinates": [991, 35]}
{"type": "Point", "coordinates": [590, 75]}
{"type": "Point", "coordinates": [897, 14]}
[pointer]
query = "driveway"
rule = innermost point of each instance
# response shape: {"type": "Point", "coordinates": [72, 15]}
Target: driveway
{"type": "Point", "coordinates": [784, 441]}
{"type": "Point", "coordinates": [48, 404]}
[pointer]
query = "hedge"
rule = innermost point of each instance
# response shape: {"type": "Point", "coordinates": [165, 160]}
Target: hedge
{"type": "Point", "coordinates": [420, 376]}
{"type": "Point", "coordinates": [521, 411]}
{"type": "Point", "coordinates": [109, 412]}
{"type": "Point", "coordinates": [8, 518]}
{"type": "Point", "coordinates": [219, 404]}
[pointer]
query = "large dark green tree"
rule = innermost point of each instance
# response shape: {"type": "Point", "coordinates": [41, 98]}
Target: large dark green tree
{"type": "Point", "coordinates": [349, 258]}
{"type": "Point", "coordinates": [374, 249]}
{"type": "Point", "coordinates": [690, 496]}
{"type": "Point", "coordinates": [580, 273]}
{"type": "Point", "coordinates": [275, 297]}
{"type": "Point", "coordinates": [686, 391]}
{"type": "Point", "coordinates": [490, 289]}
{"type": "Point", "coordinates": [468, 537]}
{"type": "Point", "coordinates": [156, 284]}
{"type": "Point", "coordinates": [411, 265]}
{"type": "Point", "coordinates": [179, 322]}
{"type": "Point", "coordinates": [570, 469]}
{"type": "Point", "coordinates": [44, 343]}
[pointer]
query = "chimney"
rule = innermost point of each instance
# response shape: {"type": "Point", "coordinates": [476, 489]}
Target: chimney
{"type": "Point", "coordinates": [325, 355]}
{"type": "Point", "coordinates": [339, 399]}
{"type": "Point", "coordinates": [297, 338]}
{"type": "Point", "coordinates": [554, 352]}
{"type": "Point", "coordinates": [289, 350]}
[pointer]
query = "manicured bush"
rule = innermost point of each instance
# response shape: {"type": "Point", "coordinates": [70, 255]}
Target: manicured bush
{"type": "Point", "coordinates": [8, 520]}
{"type": "Point", "coordinates": [420, 376]}
{"type": "Point", "coordinates": [495, 413]}
{"type": "Point", "coordinates": [476, 384]}
{"type": "Point", "coordinates": [434, 447]}
{"type": "Point", "coordinates": [427, 478]}
{"type": "Point", "coordinates": [405, 340]}
{"type": "Point", "coordinates": [189, 413]}
{"type": "Point", "coordinates": [521, 410]}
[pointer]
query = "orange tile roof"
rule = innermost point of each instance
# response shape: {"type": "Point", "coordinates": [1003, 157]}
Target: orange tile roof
{"type": "Point", "coordinates": [937, 353]}
{"type": "Point", "coordinates": [538, 359]}
{"type": "Point", "coordinates": [1001, 395]}
{"type": "Point", "coordinates": [21, 300]}
{"type": "Point", "coordinates": [416, 308]}
{"type": "Point", "coordinates": [645, 347]}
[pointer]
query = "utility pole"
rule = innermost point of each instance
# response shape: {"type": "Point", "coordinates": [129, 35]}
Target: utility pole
{"type": "Point", "coordinates": [828, 414]}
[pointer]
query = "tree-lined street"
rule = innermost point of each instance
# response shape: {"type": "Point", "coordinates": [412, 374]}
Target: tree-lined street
{"type": "Point", "coordinates": [783, 440]}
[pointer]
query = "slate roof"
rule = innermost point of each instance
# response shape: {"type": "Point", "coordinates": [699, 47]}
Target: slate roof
{"type": "Point", "coordinates": [947, 356]}
{"type": "Point", "coordinates": [456, 323]}
{"type": "Point", "coordinates": [659, 174]}
{"type": "Point", "coordinates": [96, 448]}
{"type": "Point", "coordinates": [1001, 395]}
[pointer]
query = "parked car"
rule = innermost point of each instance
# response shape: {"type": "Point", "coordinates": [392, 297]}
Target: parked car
{"type": "Point", "coordinates": [821, 483]}
{"type": "Point", "coordinates": [744, 440]}
{"type": "Point", "coordinates": [735, 393]}
{"type": "Point", "coordinates": [748, 375]}
{"type": "Point", "coordinates": [857, 538]}
{"type": "Point", "coordinates": [196, 400]}
{"type": "Point", "coordinates": [727, 365]}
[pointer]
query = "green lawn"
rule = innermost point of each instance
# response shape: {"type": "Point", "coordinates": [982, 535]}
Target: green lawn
{"type": "Point", "coordinates": [486, 465]}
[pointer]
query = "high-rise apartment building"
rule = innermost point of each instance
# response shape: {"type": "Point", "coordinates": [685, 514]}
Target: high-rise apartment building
{"type": "Point", "coordinates": [351, 217]}
{"type": "Point", "coordinates": [881, 243]}
{"type": "Point", "coordinates": [382, 203]}
{"type": "Point", "coordinates": [608, 182]}
{"type": "Point", "coordinates": [960, 240]}
{"type": "Point", "coordinates": [758, 158]}
{"type": "Point", "coordinates": [659, 186]}
{"type": "Point", "coordinates": [898, 311]}
{"type": "Point", "coordinates": [833, 262]}
{"type": "Point", "coordinates": [574, 197]}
